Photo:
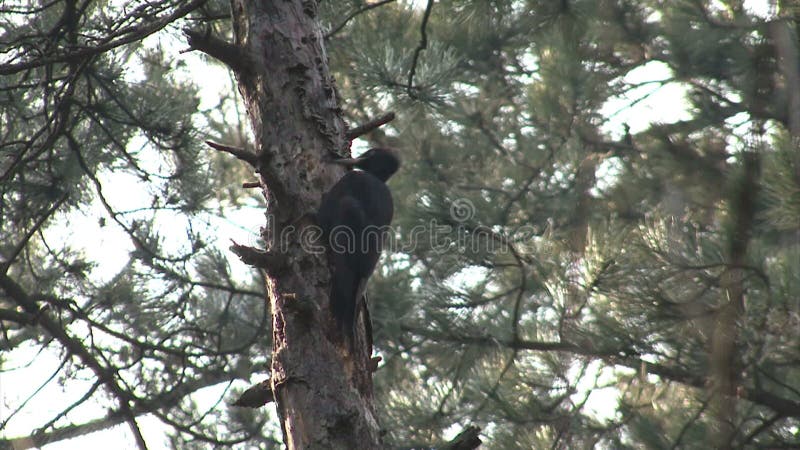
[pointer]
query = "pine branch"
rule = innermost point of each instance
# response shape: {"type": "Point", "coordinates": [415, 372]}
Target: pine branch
{"type": "Point", "coordinates": [132, 35]}
{"type": "Point", "coordinates": [620, 356]}
{"type": "Point", "coordinates": [77, 348]}
{"type": "Point", "coordinates": [163, 400]}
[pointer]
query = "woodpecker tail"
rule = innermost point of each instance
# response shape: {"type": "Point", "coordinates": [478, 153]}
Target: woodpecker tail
{"type": "Point", "coordinates": [347, 292]}
{"type": "Point", "coordinates": [343, 297]}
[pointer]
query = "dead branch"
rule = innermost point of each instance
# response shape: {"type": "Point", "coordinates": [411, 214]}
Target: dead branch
{"type": "Point", "coordinates": [256, 396]}
{"type": "Point", "coordinates": [271, 261]}
{"type": "Point", "coordinates": [466, 440]}
{"type": "Point", "coordinates": [244, 155]}
{"type": "Point", "coordinates": [369, 126]}
{"type": "Point", "coordinates": [223, 51]}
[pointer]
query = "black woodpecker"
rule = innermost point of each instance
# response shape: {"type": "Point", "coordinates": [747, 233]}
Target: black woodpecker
{"type": "Point", "coordinates": [354, 216]}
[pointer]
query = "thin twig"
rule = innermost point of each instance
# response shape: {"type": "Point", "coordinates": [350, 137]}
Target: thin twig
{"type": "Point", "coordinates": [364, 9]}
{"type": "Point", "coordinates": [22, 405]}
{"type": "Point", "coordinates": [423, 44]}
{"type": "Point", "coordinates": [130, 230]}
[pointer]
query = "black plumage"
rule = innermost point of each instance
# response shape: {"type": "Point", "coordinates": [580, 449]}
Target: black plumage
{"type": "Point", "coordinates": [354, 216]}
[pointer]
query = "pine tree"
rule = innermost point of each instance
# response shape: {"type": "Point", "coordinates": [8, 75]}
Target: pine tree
{"type": "Point", "coordinates": [566, 272]}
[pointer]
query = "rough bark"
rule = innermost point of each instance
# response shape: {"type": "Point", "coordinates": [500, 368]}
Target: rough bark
{"type": "Point", "coordinates": [323, 393]}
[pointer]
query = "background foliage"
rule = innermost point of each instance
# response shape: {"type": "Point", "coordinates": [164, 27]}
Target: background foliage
{"type": "Point", "coordinates": [597, 240]}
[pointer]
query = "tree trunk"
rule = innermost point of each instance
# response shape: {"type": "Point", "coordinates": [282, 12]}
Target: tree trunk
{"type": "Point", "coordinates": [323, 392]}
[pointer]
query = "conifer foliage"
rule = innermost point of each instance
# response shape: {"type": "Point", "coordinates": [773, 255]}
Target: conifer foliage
{"type": "Point", "coordinates": [596, 240]}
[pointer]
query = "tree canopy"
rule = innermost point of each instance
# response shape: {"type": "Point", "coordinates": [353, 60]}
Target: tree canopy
{"type": "Point", "coordinates": [596, 240]}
